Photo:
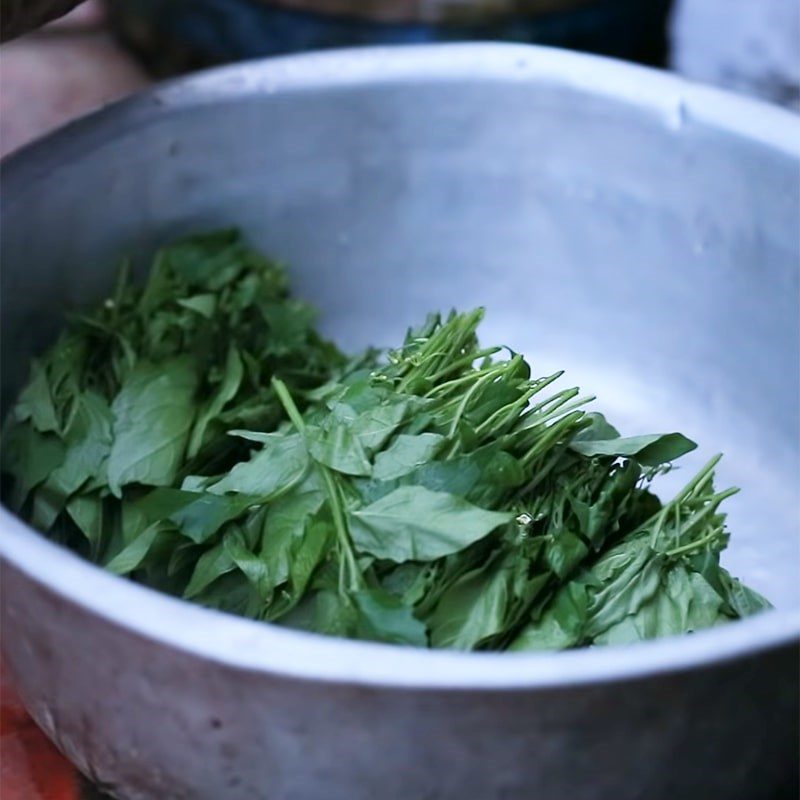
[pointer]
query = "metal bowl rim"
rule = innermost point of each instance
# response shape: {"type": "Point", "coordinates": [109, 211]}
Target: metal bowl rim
{"type": "Point", "coordinates": [245, 644]}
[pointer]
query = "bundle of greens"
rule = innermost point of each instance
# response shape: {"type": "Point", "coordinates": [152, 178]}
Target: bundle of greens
{"type": "Point", "coordinates": [198, 435]}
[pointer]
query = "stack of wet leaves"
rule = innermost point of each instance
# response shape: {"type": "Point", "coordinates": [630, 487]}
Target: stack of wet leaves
{"type": "Point", "coordinates": [199, 436]}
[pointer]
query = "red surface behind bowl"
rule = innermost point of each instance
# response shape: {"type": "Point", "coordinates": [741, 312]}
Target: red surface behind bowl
{"type": "Point", "coordinates": [30, 766]}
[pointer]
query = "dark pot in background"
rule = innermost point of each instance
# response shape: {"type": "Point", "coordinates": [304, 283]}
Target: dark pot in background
{"type": "Point", "coordinates": [177, 35]}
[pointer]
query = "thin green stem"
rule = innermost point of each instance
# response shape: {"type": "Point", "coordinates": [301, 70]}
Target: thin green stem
{"type": "Point", "coordinates": [544, 470]}
{"type": "Point", "coordinates": [289, 405]}
{"type": "Point", "coordinates": [334, 496]}
{"type": "Point", "coordinates": [448, 386]}
{"type": "Point", "coordinates": [550, 404]}
{"type": "Point", "coordinates": [571, 423]}
{"type": "Point", "coordinates": [509, 413]}
{"type": "Point", "coordinates": [467, 361]}
{"type": "Point", "coordinates": [462, 406]}
{"type": "Point", "coordinates": [705, 475]}
{"type": "Point", "coordinates": [692, 546]}
{"type": "Point", "coordinates": [340, 524]}
{"type": "Point", "coordinates": [560, 411]}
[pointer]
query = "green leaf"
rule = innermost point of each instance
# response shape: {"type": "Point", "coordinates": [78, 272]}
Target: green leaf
{"type": "Point", "coordinates": [494, 397]}
{"type": "Point", "coordinates": [405, 454]}
{"type": "Point", "coordinates": [629, 575]}
{"type": "Point", "coordinates": [132, 556]}
{"type": "Point", "coordinates": [325, 612]}
{"type": "Point", "coordinates": [198, 483]}
{"type": "Point", "coordinates": [409, 581]}
{"type": "Point", "coordinates": [198, 515]}
{"type": "Point", "coordinates": [231, 381]}
{"type": "Point", "coordinates": [203, 304]}
{"type": "Point", "coordinates": [371, 414]}
{"type": "Point", "coordinates": [88, 443]}
{"type": "Point", "coordinates": [598, 429]}
{"type": "Point", "coordinates": [651, 450]}
{"type": "Point", "coordinates": [230, 592]}
{"type": "Point", "coordinates": [46, 507]}
{"type": "Point", "coordinates": [35, 401]}
{"type": "Point", "coordinates": [415, 524]}
{"type": "Point", "coordinates": [88, 439]}
{"type": "Point", "coordinates": [705, 605]}
{"type": "Point", "coordinates": [253, 567]}
{"type": "Point", "coordinates": [289, 322]}
{"type": "Point", "coordinates": [743, 600]}
{"type": "Point", "coordinates": [338, 448]}
{"type": "Point", "coordinates": [683, 603]}
{"type": "Point", "coordinates": [600, 517]}
{"type": "Point", "coordinates": [308, 553]}
{"type": "Point", "coordinates": [133, 520]}
{"type": "Point", "coordinates": [86, 511]}
{"type": "Point", "coordinates": [483, 477]}
{"type": "Point", "coordinates": [253, 436]}
{"type": "Point", "coordinates": [214, 563]}
{"type": "Point", "coordinates": [209, 260]}
{"type": "Point", "coordinates": [561, 625]}
{"type": "Point", "coordinates": [153, 415]}
{"type": "Point", "coordinates": [285, 525]}
{"type": "Point", "coordinates": [530, 590]}
{"type": "Point", "coordinates": [564, 551]}
{"type": "Point", "coordinates": [30, 457]}
{"type": "Point", "coordinates": [473, 608]}
{"type": "Point", "coordinates": [384, 618]}
{"type": "Point", "coordinates": [275, 469]}
{"type": "Point", "coordinates": [204, 516]}
{"type": "Point", "coordinates": [664, 614]}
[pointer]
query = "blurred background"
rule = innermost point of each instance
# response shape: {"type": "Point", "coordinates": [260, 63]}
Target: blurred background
{"type": "Point", "coordinates": [103, 50]}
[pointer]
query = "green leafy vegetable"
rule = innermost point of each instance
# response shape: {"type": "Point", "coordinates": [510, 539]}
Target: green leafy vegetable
{"type": "Point", "coordinates": [135, 553]}
{"type": "Point", "coordinates": [406, 454]}
{"type": "Point", "coordinates": [153, 415]}
{"type": "Point", "coordinates": [384, 618]}
{"type": "Point", "coordinates": [415, 524]}
{"type": "Point", "coordinates": [648, 450]}
{"type": "Point", "coordinates": [280, 464]}
{"type": "Point", "coordinates": [197, 435]}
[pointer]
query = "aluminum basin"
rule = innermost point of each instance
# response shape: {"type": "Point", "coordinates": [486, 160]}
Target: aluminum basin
{"type": "Point", "coordinates": [636, 230]}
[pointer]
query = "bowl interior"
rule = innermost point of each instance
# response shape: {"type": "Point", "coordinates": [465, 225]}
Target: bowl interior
{"type": "Point", "coordinates": [608, 224]}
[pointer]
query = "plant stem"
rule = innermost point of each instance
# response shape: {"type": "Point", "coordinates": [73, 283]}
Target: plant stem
{"type": "Point", "coordinates": [289, 405]}
{"type": "Point", "coordinates": [334, 496]}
